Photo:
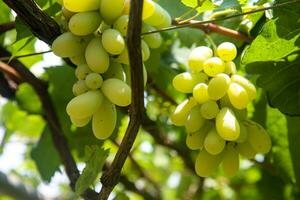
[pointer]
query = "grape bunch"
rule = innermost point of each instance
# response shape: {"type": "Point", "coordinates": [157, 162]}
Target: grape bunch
{"type": "Point", "coordinates": [215, 115]}
{"type": "Point", "coordinates": [94, 39]}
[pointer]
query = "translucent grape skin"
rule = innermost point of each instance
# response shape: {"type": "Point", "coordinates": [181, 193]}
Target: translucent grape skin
{"type": "Point", "coordinates": [195, 140]}
{"type": "Point", "coordinates": [227, 51]}
{"type": "Point", "coordinates": [67, 45]}
{"type": "Point", "coordinates": [79, 88]}
{"type": "Point", "coordinates": [153, 40]}
{"type": "Point", "coordinates": [218, 86]}
{"type": "Point", "coordinates": [179, 116]}
{"type": "Point", "coordinates": [230, 68]}
{"type": "Point", "coordinates": [206, 163]}
{"type": "Point", "coordinates": [93, 81]}
{"type": "Point", "coordinates": [117, 91]}
{"type": "Point", "coordinates": [185, 82]}
{"type": "Point", "coordinates": [82, 71]}
{"type": "Point", "coordinates": [96, 57]}
{"type": "Point", "coordinates": [81, 6]}
{"type": "Point", "coordinates": [84, 23]}
{"type": "Point", "coordinates": [85, 105]}
{"type": "Point", "coordinates": [200, 93]}
{"type": "Point", "coordinates": [246, 84]}
{"type": "Point", "coordinates": [230, 163]}
{"type": "Point", "coordinates": [227, 125]}
{"type": "Point", "coordinates": [194, 120]}
{"type": "Point", "coordinates": [213, 66]}
{"type": "Point", "coordinates": [104, 120]}
{"type": "Point", "coordinates": [80, 122]}
{"type": "Point", "coordinates": [197, 57]}
{"type": "Point", "coordinates": [213, 143]}
{"type": "Point", "coordinates": [159, 18]}
{"type": "Point", "coordinates": [121, 24]}
{"type": "Point", "coordinates": [111, 11]}
{"type": "Point", "coordinates": [210, 109]}
{"type": "Point", "coordinates": [238, 96]}
{"type": "Point", "coordinates": [113, 41]}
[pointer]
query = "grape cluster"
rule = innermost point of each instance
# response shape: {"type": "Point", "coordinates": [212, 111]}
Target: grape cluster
{"type": "Point", "coordinates": [215, 116]}
{"type": "Point", "coordinates": [94, 40]}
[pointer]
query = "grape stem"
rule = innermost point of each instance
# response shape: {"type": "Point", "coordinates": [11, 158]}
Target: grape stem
{"type": "Point", "coordinates": [7, 58]}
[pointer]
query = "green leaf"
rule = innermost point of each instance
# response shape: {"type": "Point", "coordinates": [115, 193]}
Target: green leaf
{"type": "Point", "coordinates": [27, 98]}
{"type": "Point", "coordinates": [22, 30]}
{"type": "Point", "coordinates": [199, 5]}
{"type": "Point", "coordinates": [294, 141]}
{"type": "Point", "coordinates": [233, 4]}
{"type": "Point", "coordinates": [46, 156]}
{"type": "Point", "coordinates": [94, 165]}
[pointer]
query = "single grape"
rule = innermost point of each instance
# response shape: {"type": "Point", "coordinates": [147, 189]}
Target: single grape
{"type": "Point", "coordinates": [213, 143]}
{"type": "Point", "coordinates": [96, 56]}
{"type": "Point", "coordinates": [227, 125]}
{"type": "Point", "coordinates": [197, 57]}
{"type": "Point", "coordinates": [110, 11]}
{"type": "Point", "coordinates": [217, 86]}
{"type": "Point", "coordinates": [115, 70]}
{"type": "Point", "coordinates": [67, 45]}
{"type": "Point", "coordinates": [200, 93]}
{"type": "Point", "coordinates": [113, 42]}
{"type": "Point", "coordinates": [80, 122]}
{"type": "Point", "coordinates": [79, 88]}
{"type": "Point", "coordinates": [230, 163]}
{"type": "Point", "coordinates": [166, 21]}
{"type": "Point", "coordinates": [153, 40]}
{"type": "Point", "coordinates": [238, 96]}
{"type": "Point", "coordinates": [123, 57]}
{"type": "Point", "coordinates": [84, 23]}
{"type": "Point", "coordinates": [206, 163]}
{"type": "Point", "coordinates": [85, 105]}
{"type": "Point", "coordinates": [185, 82]}
{"type": "Point", "coordinates": [82, 71]}
{"type": "Point", "coordinates": [246, 84]}
{"type": "Point", "coordinates": [78, 60]}
{"type": "Point", "coordinates": [81, 6]}
{"type": "Point", "coordinates": [194, 120]}
{"type": "Point", "coordinates": [104, 120]}
{"type": "Point", "coordinates": [145, 51]}
{"type": "Point", "coordinates": [179, 116]}
{"type": "Point", "coordinates": [230, 68]}
{"type": "Point", "coordinates": [227, 51]}
{"type": "Point", "coordinates": [246, 150]}
{"type": "Point", "coordinates": [93, 81]}
{"type": "Point", "coordinates": [159, 17]}
{"type": "Point", "coordinates": [210, 109]}
{"type": "Point", "coordinates": [195, 140]}
{"type": "Point", "coordinates": [213, 66]}
{"type": "Point", "coordinates": [121, 24]}
{"type": "Point", "coordinates": [117, 91]}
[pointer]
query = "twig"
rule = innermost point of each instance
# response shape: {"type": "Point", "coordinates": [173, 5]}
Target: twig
{"type": "Point", "coordinates": [110, 177]}
{"type": "Point", "coordinates": [23, 56]}
{"type": "Point", "coordinates": [7, 27]}
{"type": "Point", "coordinates": [197, 23]}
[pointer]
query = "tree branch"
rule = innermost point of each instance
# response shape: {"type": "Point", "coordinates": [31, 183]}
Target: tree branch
{"type": "Point", "coordinates": [7, 27]}
{"type": "Point", "coordinates": [110, 177]}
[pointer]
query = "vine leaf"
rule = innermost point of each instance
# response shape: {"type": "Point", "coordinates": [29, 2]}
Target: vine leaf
{"type": "Point", "coordinates": [200, 6]}
{"type": "Point", "coordinates": [94, 165]}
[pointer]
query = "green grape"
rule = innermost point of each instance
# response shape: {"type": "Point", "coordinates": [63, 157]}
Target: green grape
{"type": "Point", "coordinates": [82, 71]}
{"type": "Point", "coordinates": [179, 116]}
{"type": "Point", "coordinates": [153, 40]}
{"type": "Point", "coordinates": [117, 91]}
{"type": "Point", "coordinates": [246, 84]}
{"type": "Point", "coordinates": [84, 23]}
{"type": "Point", "coordinates": [159, 18]}
{"type": "Point", "coordinates": [246, 150]}
{"type": "Point", "coordinates": [258, 137]}
{"type": "Point", "coordinates": [206, 163]}
{"type": "Point", "coordinates": [121, 24]}
{"type": "Point", "coordinates": [85, 105]}
{"type": "Point", "coordinates": [240, 114]}
{"type": "Point", "coordinates": [227, 51]}
{"type": "Point", "coordinates": [80, 122]}
{"type": "Point", "coordinates": [79, 88]}
{"type": "Point", "coordinates": [104, 120]}
{"type": "Point", "coordinates": [213, 66]}
{"type": "Point", "coordinates": [145, 50]}
{"type": "Point", "coordinates": [185, 82]}
{"type": "Point", "coordinates": [230, 163]}
{"type": "Point", "coordinates": [210, 109]}
{"type": "Point", "coordinates": [194, 120]}
{"type": "Point", "coordinates": [93, 81]}
{"type": "Point", "coordinates": [78, 60]}
{"type": "Point", "coordinates": [123, 57]}
{"type": "Point", "coordinates": [213, 143]}
{"type": "Point", "coordinates": [200, 93]}
{"type": "Point", "coordinates": [67, 14]}
{"type": "Point", "coordinates": [113, 42]}
{"type": "Point", "coordinates": [115, 70]}
{"type": "Point", "coordinates": [197, 57]}
{"type": "Point", "coordinates": [110, 11]}
{"type": "Point", "coordinates": [238, 96]}
{"type": "Point", "coordinates": [96, 56]}
{"type": "Point", "coordinates": [195, 140]}
{"type": "Point", "coordinates": [230, 68]}
{"type": "Point", "coordinates": [67, 45]}
{"type": "Point", "coordinates": [243, 134]}
{"type": "Point", "coordinates": [166, 21]}
{"type": "Point", "coordinates": [227, 125]}
{"type": "Point", "coordinates": [217, 86]}
{"type": "Point", "coordinates": [81, 6]}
